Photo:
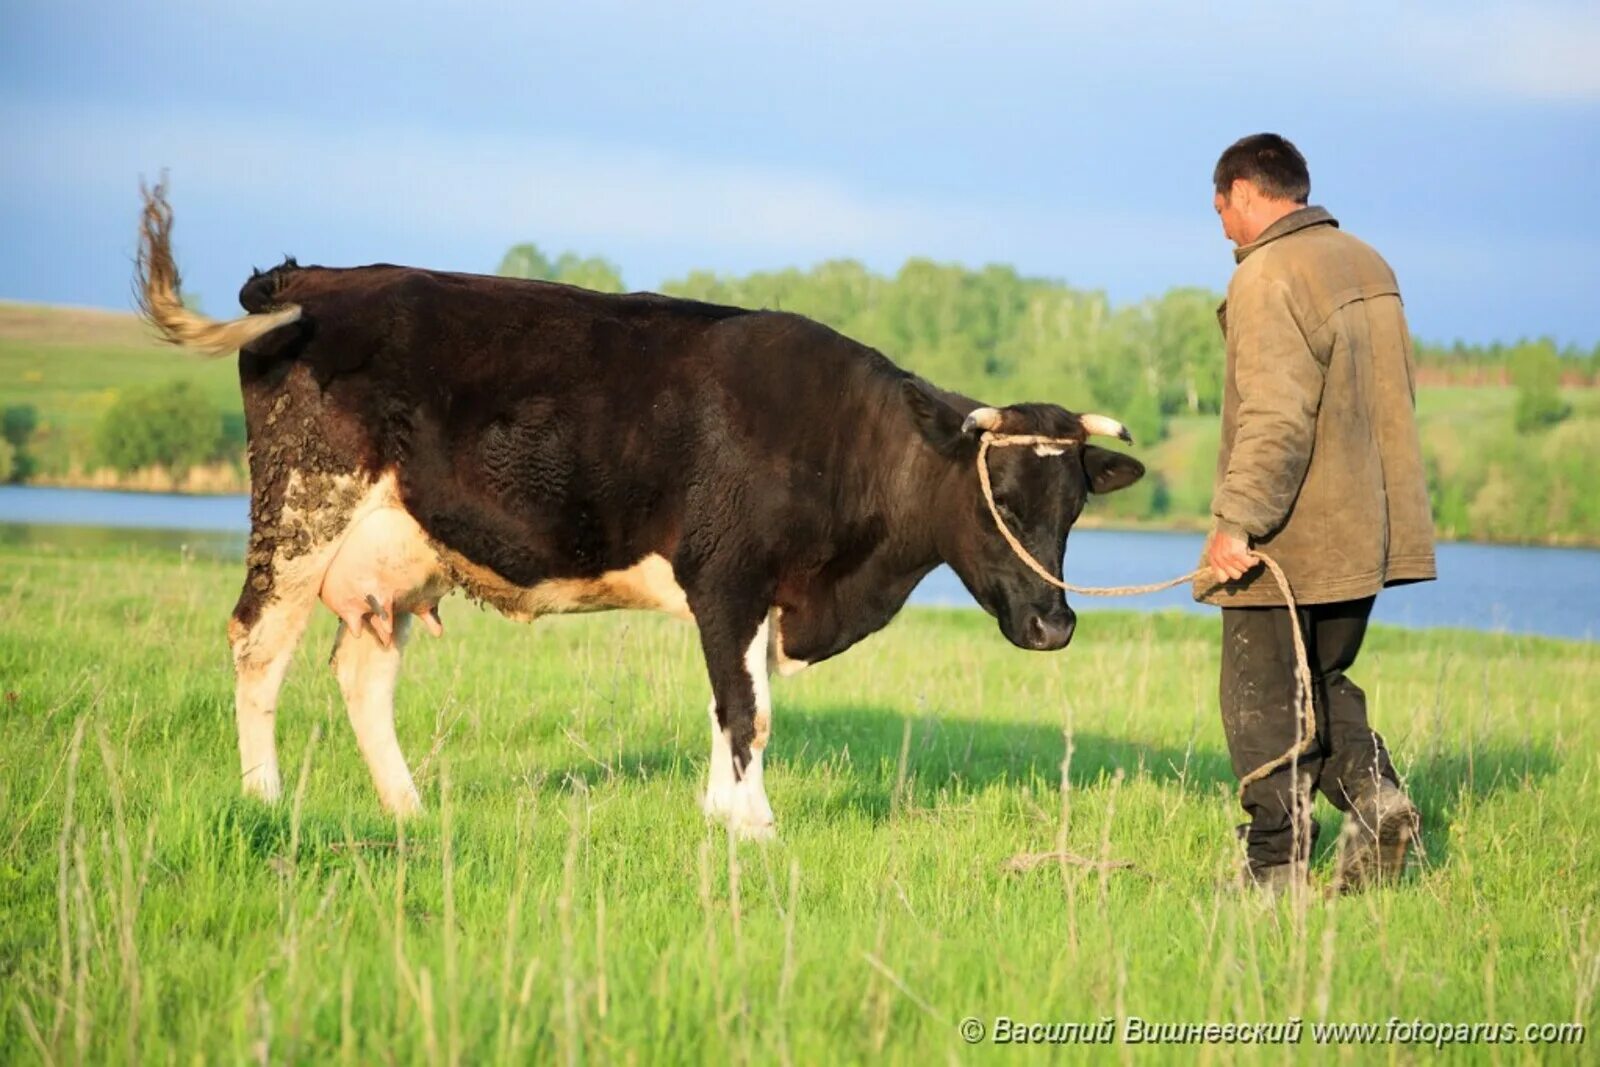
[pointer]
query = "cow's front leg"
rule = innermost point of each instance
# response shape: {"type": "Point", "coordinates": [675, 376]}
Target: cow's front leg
{"type": "Point", "coordinates": [741, 717]}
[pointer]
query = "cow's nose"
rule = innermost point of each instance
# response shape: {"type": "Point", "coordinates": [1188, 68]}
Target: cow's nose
{"type": "Point", "coordinates": [1046, 633]}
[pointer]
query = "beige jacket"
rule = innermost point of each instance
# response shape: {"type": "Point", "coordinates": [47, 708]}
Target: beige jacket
{"type": "Point", "coordinates": [1320, 465]}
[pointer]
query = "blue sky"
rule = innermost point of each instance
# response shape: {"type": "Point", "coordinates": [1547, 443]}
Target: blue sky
{"type": "Point", "coordinates": [1073, 140]}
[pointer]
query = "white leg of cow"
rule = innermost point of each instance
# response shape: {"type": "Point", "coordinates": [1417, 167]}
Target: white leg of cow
{"type": "Point", "coordinates": [740, 801]}
{"type": "Point", "coordinates": [367, 669]}
{"type": "Point", "coordinates": [257, 679]}
{"type": "Point", "coordinates": [262, 650]}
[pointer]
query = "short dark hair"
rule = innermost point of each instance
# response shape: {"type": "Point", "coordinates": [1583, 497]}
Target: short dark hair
{"type": "Point", "coordinates": [1269, 162]}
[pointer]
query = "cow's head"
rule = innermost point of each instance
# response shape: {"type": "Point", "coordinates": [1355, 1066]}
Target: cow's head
{"type": "Point", "coordinates": [1040, 491]}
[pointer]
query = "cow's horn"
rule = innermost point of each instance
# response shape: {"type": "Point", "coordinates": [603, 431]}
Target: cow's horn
{"type": "Point", "coordinates": [1105, 427]}
{"type": "Point", "coordinates": [981, 419]}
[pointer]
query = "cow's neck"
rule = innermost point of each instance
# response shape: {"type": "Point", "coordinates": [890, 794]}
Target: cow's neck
{"type": "Point", "coordinates": [929, 504]}
{"type": "Point", "coordinates": [903, 483]}
{"type": "Point", "coordinates": [916, 485]}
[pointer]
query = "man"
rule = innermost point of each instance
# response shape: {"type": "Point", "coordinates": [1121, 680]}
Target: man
{"type": "Point", "coordinates": [1320, 468]}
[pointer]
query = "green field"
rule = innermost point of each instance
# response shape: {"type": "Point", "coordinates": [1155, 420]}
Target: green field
{"type": "Point", "coordinates": [70, 364]}
{"type": "Point", "coordinates": [563, 900]}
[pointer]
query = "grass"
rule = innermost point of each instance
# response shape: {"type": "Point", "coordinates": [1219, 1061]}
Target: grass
{"type": "Point", "coordinates": [69, 362]}
{"type": "Point", "coordinates": [564, 900]}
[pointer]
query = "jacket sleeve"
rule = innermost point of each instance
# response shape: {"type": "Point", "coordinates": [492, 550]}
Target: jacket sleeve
{"type": "Point", "coordinates": [1279, 381]}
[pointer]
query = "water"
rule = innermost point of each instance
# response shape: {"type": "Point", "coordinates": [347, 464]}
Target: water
{"type": "Point", "coordinates": [1501, 588]}
{"type": "Point", "coordinates": [1506, 588]}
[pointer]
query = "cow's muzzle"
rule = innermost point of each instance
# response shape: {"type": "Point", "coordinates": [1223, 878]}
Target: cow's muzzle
{"type": "Point", "coordinates": [1045, 632]}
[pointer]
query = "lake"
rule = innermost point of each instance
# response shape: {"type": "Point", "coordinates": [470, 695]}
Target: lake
{"type": "Point", "coordinates": [1509, 588]}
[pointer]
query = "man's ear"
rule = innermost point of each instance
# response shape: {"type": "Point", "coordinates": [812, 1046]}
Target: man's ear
{"type": "Point", "coordinates": [939, 422]}
{"type": "Point", "coordinates": [1109, 471]}
{"type": "Point", "coordinates": [1243, 194]}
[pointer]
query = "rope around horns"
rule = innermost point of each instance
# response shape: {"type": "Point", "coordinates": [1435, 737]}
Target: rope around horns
{"type": "Point", "coordinates": [1302, 665]}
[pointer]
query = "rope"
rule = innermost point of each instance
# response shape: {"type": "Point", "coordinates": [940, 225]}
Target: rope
{"type": "Point", "coordinates": [1302, 664]}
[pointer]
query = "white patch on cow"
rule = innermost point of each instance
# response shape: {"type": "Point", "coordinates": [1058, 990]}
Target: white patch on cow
{"type": "Point", "coordinates": [370, 561]}
{"type": "Point", "coordinates": [255, 702]}
{"type": "Point", "coordinates": [1047, 450]}
{"type": "Point", "coordinates": [740, 801]}
{"type": "Point", "coordinates": [755, 665]}
{"type": "Point", "coordinates": [777, 659]}
{"type": "Point", "coordinates": [262, 650]}
{"type": "Point", "coordinates": [384, 567]}
{"type": "Point", "coordinates": [742, 805]}
{"type": "Point", "coordinates": [354, 532]}
{"type": "Point", "coordinates": [720, 778]}
{"type": "Point", "coordinates": [648, 585]}
{"type": "Point", "coordinates": [388, 558]}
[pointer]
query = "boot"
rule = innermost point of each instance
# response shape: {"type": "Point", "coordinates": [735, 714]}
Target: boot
{"type": "Point", "coordinates": [1272, 882]}
{"type": "Point", "coordinates": [1378, 832]}
{"type": "Point", "coordinates": [1275, 879]}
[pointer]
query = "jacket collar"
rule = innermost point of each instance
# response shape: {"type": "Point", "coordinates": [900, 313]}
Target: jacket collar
{"type": "Point", "coordinates": [1291, 223]}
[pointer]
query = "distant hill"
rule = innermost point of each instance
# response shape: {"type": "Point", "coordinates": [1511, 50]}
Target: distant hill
{"type": "Point", "coordinates": [71, 364]}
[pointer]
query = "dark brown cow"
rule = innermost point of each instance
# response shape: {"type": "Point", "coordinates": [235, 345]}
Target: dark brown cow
{"type": "Point", "coordinates": [547, 449]}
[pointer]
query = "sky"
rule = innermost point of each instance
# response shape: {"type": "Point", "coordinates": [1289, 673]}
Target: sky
{"type": "Point", "coordinates": [1070, 140]}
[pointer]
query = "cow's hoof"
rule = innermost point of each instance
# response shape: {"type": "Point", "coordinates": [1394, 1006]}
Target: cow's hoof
{"type": "Point", "coordinates": [744, 811]}
{"type": "Point", "coordinates": [754, 831]}
{"type": "Point", "coordinates": [403, 805]}
{"type": "Point", "coordinates": [262, 783]}
{"type": "Point", "coordinates": [748, 829]}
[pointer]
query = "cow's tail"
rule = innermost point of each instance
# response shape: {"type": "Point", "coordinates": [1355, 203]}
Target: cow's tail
{"type": "Point", "coordinates": [157, 286]}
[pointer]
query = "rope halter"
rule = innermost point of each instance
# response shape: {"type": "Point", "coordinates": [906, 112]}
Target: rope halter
{"type": "Point", "coordinates": [989, 419]}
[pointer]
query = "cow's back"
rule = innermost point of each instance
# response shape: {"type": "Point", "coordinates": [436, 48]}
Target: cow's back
{"type": "Point", "coordinates": [539, 430]}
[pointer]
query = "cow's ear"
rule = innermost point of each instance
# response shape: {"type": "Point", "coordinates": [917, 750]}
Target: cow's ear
{"type": "Point", "coordinates": [1109, 471]}
{"type": "Point", "coordinates": [939, 422]}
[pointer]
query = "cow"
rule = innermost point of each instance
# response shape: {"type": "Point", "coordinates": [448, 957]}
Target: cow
{"type": "Point", "coordinates": [546, 449]}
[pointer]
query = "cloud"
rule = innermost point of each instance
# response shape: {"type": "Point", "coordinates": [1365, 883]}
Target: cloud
{"type": "Point", "coordinates": [1533, 51]}
{"type": "Point", "coordinates": [461, 184]}
{"type": "Point", "coordinates": [499, 188]}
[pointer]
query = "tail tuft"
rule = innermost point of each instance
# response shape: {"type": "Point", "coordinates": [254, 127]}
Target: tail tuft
{"type": "Point", "coordinates": [157, 286]}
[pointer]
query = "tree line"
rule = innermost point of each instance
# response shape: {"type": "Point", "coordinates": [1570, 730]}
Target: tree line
{"type": "Point", "coordinates": [1501, 472]}
{"type": "Point", "coordinates": [1158, 365]}
{"type": "Point", "coordinates": [1004, 336]}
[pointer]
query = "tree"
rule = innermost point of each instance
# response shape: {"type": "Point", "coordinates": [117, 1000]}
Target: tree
{"type": "Point", "coordinates": [524, 261]}
{"type": "Point", "coordinates": [17, 424]}
{"type": "Point", "coordinates": [591, 272]}
{"type": "Point", "coordinates": [172, 426]}
{"type": "Point", "coordinates": [1536, 373]}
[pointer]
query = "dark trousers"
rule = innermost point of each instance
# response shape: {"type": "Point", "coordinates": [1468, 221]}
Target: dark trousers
{"type": "Point", "coordinates": [1260, 716]}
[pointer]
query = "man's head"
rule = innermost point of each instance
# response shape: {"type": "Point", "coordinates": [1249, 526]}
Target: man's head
{"type": "Point", "coordinates": [1259, 180]}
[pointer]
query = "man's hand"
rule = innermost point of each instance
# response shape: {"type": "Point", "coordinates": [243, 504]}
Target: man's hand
{"type": "Point", "coordinates": [1230, 556]}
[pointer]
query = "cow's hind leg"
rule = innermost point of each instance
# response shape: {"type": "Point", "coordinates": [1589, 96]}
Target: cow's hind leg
{"type": "Point", "coordinates": [741, 713]}
{"type": "Point", "coordinates": [266, 627]}
{"type": "Point", "coordinates": [367, 669]}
